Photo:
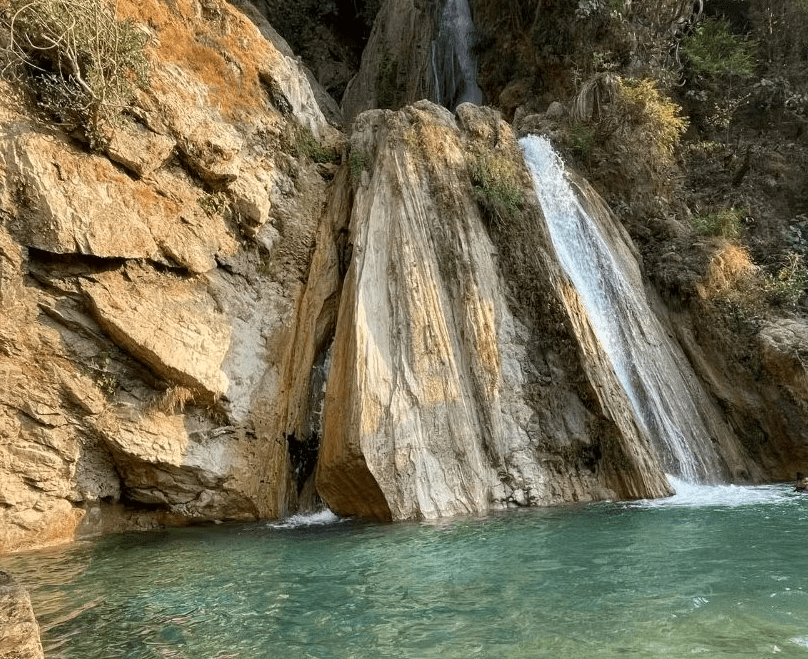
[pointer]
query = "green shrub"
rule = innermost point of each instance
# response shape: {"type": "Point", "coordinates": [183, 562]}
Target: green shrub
{"type": "Point", "coordinates": [786, 287]}
{"type": "Point", "coordinates": [83, 63]}
{"type": "Point", "coordinates": [713, 50]}
{"type": "Point", "coordinates": [496, 187]}
{"type": "Point", "coordinates": [306, 145]}
{"type": "Point", "coordinates": [582, 139]}
{"type": "Point", "coordinates": [358, 163]}
{"type": "Point", "coordinates": [725, 223]}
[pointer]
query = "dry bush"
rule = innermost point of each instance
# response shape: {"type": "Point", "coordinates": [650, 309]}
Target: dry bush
{"type": "Point", "coordinates": [82, 62]}
{"type": "Point", "coordinates": [641, 109]}
{"type": "Point", "coordinates": [733, 278]}
{"type": "Point", "coordinates": [171, 399]}
{"type": "Point", "coordinates": [625, 131]}
{"type": "Point", "coordinates": [628, 108]}
{"type": "Point", "coordinates": [732, 274]}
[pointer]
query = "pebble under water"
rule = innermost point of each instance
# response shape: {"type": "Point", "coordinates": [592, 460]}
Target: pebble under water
{"type": "Point", "coordinates": [716, 570]}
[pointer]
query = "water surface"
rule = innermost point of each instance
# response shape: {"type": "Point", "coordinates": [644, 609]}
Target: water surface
{"type": "Point", "coordinates": [716, 570]}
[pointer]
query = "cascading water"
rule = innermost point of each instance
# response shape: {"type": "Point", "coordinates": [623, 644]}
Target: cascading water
{"type": "Point", "coordinates": [454, 68]}
{"type": "Point", "coordinates": [643, 357]}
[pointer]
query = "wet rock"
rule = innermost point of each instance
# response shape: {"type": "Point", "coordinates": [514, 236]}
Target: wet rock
{"type": "Point", "coordinates": [431, 408]}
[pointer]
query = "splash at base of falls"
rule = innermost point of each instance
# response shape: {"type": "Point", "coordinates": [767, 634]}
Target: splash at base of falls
{"type": "Point", "coordinates": [651, 369]}
{"type": "Point", "coordinates": [319, 518]}
{"type": "Point", "coordinates": [696, 495]}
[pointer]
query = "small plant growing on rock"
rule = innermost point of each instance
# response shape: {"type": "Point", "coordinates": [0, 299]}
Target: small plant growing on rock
{"type": "Point", "coordinates": [724, 223]}
{"type": "Point", "coordinates": [98, 368]}
{"type": "Point", "coordinates": [496, 187]}
{"type": "Point", "coordinates": [358, 162]}
{"type": "Point", "coordinates": [582, 140]}
{"type": "Point", "coordinates": [81, 61]}
{"type": "Point", "coordinates": [786, 287]}
{"type": "Point", "coordinates": [307, 145]}
{"type": "Point", "coordinates": [174, 398]}
{"type": "Point", "coordinates": [215, 203]}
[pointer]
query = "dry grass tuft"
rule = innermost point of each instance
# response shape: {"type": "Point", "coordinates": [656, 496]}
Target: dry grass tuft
{"type": "Point", "coordinates": [171, 399]}
{"type": "Point", "coordinates": [733, 277]}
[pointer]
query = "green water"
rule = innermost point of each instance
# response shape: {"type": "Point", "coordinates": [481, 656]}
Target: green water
{"type": "Point", "coordinates": [718, 571]}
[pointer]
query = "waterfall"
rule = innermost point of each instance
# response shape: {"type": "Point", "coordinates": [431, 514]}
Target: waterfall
{"type": "Point", "coordinates": [648, 365]}
{"type": "Point", "coordinates": [454, 68]}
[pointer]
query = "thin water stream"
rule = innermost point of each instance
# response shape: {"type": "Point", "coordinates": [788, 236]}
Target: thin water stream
{"type": "Point", "coordinates": [454, 66]}
{"type": "Point", "coordinates": [721, 571]}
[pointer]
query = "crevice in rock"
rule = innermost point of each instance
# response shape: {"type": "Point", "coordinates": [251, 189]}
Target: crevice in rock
{"type": "Point", "coordinates": [303, 457]}
{"type": "Point", "coordinates": [275, 95]}
{"type": "Point", "coordinates": [304, 451]}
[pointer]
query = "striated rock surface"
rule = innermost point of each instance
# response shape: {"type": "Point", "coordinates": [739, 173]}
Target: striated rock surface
{"type": "Point", "coordinates": [443, 396]}
{"type": "Point", "coordinates": [19, 631]}
{"type": "Point", "coordinates": [230, 311]}
{"type": "Point", "coordinates": [150, 293]}
{"type": "Point", "coordinates": [396, 63]}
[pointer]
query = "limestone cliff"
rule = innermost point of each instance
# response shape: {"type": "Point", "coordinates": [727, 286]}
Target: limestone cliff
{"type": "Point", "coordinates": [445, 396]}
{"type": "Point", "coordinates": [396, 63]}
{"type": "Point", "coordinates": [150, 293]}
{"type": "Point", "coordinates": [232, 307]}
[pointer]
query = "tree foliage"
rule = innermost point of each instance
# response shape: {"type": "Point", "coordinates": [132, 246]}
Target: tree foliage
{"type": "Point", "coordinates": [713, 50]}
{"type": "Point", "coordinates": [82, 62]}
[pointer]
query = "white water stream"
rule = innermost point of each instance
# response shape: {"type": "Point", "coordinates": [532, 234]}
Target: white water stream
{"type": "Point", "coordinates": [454, 68]}
{"type": "Point", "coordinates": [649, 368]}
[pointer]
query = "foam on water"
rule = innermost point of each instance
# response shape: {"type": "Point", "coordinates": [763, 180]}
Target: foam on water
{"type": "Point", "coordinates": [695, 495]}
{"type": "Point", "coordinates": [319, 518]}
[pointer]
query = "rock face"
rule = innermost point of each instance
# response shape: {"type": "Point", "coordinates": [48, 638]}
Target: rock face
{"type": "Point", "coordinates": [233, 308]}
{"type": "Point", "coordinates": [19, 631]}
{"type": "Point", "coordinates": [396, 63]}
{"type": "Point", "coordinates": [440, 400]}
{"type": "Point", "coordinates": [149, 294]}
